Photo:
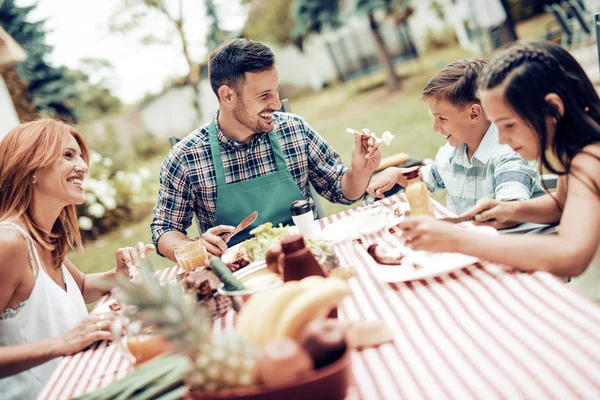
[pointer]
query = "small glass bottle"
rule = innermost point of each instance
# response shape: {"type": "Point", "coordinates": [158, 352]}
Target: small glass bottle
{"type": "Point", "coordinates": [297, 261]}
{"type": "Point", "coordinates": [417, 193]}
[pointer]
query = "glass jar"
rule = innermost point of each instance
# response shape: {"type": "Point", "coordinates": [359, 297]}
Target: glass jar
{"type": "Point", "coordinates": [192, 255]}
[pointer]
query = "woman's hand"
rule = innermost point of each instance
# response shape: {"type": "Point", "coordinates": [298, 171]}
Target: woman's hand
{"type": "Point", "coordinates": [492, 212]}
{"type": "Point", "coordinates": [130, 258]}
{"type": "Point", "coordinates": [382, 182]}
{"type": "Point", "coordinates": [94, 327]}
{"type": "Point", "coordinates": [430, 234]}
{"type": "Point", "coordinates": [213, 240]}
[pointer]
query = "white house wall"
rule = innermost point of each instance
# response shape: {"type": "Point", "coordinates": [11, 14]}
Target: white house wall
{"type": "Point", "coordinates": [8, 114]}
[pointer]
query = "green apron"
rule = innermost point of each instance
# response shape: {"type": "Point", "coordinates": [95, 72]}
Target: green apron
{"type": "Point", "coordinates": [270, 195]}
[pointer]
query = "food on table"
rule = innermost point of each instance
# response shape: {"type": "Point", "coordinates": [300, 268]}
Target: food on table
{"type": "Point", "coordinates": [240, 260]}
{"type": "Point", "coordinates": [362, 334]}
{"type": "Point", "coordinates": [266, 236]}
{"type": "Point", "coordinates": [114, 305]}
{"type": "Point", "coordinates": [417, 193]}
{"type": "Point", "coordinates": [325, 341]}
{"type": "Point", "coordinates": [191, 255]}
{"type": "Point", "coordinates": [398, 211]}
{"type": "Point", "coordinates": [282, 361]}
{"type": "Point", "coordinates": [387, 137]}
{"type": "Point", "coordinates": [314, 302]}
{"type": "Point", "coordinates": [260, 279]}
{"type": "Point", "coordinates": [259, 316]}
{"type": "Point", "coordinates": [385, 257]}
{"type": "Point", "coordinates": [227, 362]}
{"type": "Point", "coordinates": [286, 310]}
{"type": "Point", "coordinates": [201, 282]}
{"type": "Point", "coordinates": [297, 261]}
{"type": "Point", "coordinates": [225, 275]}
{"type": "Point", "coordinates": [272, 258]}
{"type": "Point", "coordinates": [343, 272]}
{"type": "Point", "coordinates": [147, 346]}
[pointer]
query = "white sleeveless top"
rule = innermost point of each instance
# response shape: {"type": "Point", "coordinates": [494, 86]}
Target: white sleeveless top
{"type": "Point", "coordinates": [588, 283]}
{"type": "Point", "coordinates": [49, 312]}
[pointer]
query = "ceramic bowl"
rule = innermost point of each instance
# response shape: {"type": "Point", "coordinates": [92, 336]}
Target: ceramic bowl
{"type": "Point", "coordinates": [328, 383]}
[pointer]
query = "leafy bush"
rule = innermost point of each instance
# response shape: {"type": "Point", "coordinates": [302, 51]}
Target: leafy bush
{"type": "Point", "coordinates": [114, 197]}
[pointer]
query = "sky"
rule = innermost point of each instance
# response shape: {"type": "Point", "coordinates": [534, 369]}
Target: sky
{"type": "Point", "coordinates": [80, 29]}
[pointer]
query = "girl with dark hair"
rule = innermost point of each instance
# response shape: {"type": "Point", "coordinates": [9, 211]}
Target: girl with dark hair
{"type": "Point", "coordinates": [546, 109]}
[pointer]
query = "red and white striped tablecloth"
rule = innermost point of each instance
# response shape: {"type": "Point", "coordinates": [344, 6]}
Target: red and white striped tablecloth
{"type": "Point", "coordinates": [481, 332]}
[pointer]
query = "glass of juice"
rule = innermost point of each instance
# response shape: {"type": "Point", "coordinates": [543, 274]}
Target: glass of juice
{"type": "Point", "coordinates": [192, 255]}
{"type": "Point", "coordinates": [140, 344]}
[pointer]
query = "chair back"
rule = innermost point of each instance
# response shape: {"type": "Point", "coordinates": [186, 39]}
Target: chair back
{"type": "Point", "coordinates": [580, 15]}
{"type": "Point", "coordinates": [561, 18]}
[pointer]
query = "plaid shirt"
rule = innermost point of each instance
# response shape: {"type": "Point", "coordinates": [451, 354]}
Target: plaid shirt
{"type": "Point", "coordinates": [495, 171]}
{"type": "Point", "coordinates": [187, 177]}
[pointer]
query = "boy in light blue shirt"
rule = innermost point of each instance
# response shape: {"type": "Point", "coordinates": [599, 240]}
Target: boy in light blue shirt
{"type": "Point", "coordinates": [472, 165]}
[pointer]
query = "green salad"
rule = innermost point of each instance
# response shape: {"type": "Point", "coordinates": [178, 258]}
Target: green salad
{"type": "Point", "coordinates": [266, 235]}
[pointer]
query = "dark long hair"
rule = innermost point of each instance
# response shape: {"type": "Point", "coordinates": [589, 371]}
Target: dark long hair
{"type": "Point", "coordinates": [531, 70]}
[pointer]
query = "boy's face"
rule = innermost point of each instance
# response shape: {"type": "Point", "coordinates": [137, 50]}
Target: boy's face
{"type": "Point", "coordinates": [454, 123]}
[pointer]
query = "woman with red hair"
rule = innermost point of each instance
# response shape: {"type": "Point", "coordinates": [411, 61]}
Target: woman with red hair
{"type": "Point", "coordinates": [42, 295]}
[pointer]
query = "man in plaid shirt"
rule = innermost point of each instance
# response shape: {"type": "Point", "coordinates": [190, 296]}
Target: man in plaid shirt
{"type": "Point", "coordinates": [250, 158]}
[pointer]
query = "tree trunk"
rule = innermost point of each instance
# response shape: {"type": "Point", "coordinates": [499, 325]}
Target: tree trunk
{"type": "Point", "coordinates": [510, 22]}
{"type": "Point", "coordinates": [393, 81]}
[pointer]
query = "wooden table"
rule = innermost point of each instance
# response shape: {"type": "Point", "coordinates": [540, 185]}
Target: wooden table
{"type": "Point", "coordinates": [481, 332]}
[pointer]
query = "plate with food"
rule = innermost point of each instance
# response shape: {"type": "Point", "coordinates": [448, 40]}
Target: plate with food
{"type": "Point", "coordinates": [404, 264]}
{"type": "Point", "coordinates": [263, 237]}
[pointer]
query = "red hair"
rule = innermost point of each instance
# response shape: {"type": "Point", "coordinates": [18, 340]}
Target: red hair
{"type": "Point", "coordinates": [24, 150]}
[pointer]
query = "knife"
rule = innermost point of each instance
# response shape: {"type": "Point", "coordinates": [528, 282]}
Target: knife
{"type": "Point", "coordinates": [241, 226]}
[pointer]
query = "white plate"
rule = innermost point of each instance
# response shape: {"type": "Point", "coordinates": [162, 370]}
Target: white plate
{"type": "Point", "coordinates": [432, 264]}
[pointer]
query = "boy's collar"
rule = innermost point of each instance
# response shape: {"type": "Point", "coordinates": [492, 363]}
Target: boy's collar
{"type": "Point", "coordinates": [484, 151]}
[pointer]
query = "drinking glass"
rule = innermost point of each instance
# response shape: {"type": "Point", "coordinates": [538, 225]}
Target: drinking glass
{"type": "Point", "coordinates": [192, 255]}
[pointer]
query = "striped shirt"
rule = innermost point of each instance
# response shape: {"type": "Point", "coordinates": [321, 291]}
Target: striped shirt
{"type": "Point", "coordinates": [188, 182]}
{"type": "Point", "coordinates": [495, 171]}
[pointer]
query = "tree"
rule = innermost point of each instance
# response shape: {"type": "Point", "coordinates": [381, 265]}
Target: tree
{"type": "Point", "coordinates": [94, 98]}
{"type": "Point", "coordinates": [271, 22]}
{"type": "Point", "coordinates": [49, 88]}
{"type": "Point", "coordinates": [369, 7]}
{"type": "Point", "coordinates": [133, 15]}
{"type": "Point", "coordinates": [312, 16]}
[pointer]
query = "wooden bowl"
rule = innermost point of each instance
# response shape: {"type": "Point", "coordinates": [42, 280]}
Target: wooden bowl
{"type": "Point", "coordinates": [328, 383]}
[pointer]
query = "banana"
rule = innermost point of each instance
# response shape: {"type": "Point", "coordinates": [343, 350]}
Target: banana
{"type": "Point", "coordinates": [264, 329]}
{"type": "Point", "coordinates": [250, 312]}
{"type": "Point", "coordinates": [311, 280]}
{"type": "Point", "coordinates": [313, 302]}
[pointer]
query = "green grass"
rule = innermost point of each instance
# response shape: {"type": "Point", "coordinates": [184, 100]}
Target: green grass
{"type": "Point", "coordinates": [360, 103]}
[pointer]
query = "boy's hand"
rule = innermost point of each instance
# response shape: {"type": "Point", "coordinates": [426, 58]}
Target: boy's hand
{"type": "Point", "coordinates": [383, 181]}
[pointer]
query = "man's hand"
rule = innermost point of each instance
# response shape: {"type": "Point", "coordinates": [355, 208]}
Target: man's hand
{"type": "Point", "coordinates": [213, 241]}
{"type": "Point", "coordinates": [365, 153]}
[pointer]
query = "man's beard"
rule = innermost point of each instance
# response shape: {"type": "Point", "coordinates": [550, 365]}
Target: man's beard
{"type": "Point", "coordinates": [241, 115]}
